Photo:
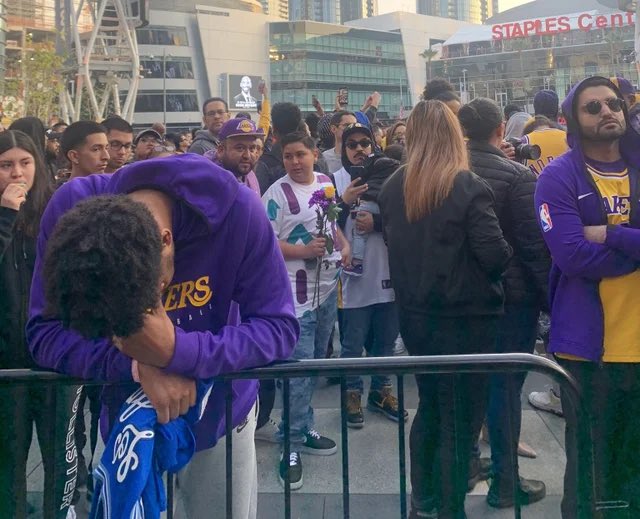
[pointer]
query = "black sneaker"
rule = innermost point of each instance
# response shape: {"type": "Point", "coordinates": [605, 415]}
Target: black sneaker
{"type": "Point", "coordinates": [318, 445]}
{"type": "Point", "coordinates": [529, 491]}
{"type": "Point", "coordinates": [295, 470]}
{"type": "Point", "coordinates": [384, 402]}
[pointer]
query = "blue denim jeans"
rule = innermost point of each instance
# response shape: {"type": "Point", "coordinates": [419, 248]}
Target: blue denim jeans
{"type": "Point", "coordinates": [380, 323]}
{"type": "Point", "coordinates": [358, 240]}
{"type": "Point", "coordinates": [315, 329]}
{"type": "Point", "coordinates": [516, 334]}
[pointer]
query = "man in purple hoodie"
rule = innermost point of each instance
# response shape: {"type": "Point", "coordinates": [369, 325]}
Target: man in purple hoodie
{"type": "Point", "coordinates": [218, 248]}
{"type": "Point", "coordinates": [588, 206]}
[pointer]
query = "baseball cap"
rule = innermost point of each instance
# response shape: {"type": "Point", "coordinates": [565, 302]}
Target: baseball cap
{"type": "Point", "coordinates": [149, 132]}
{"type": "Point", "coordinates": [545, 102]}
{"type": "Point", "coordinates": [52, 136]}
{"type": "Point", "coordinates": [239, 128]}
{"type": "Point", "coordinates": [356, 128]}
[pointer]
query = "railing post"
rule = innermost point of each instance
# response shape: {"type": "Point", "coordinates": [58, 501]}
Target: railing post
{"type": "Point", "coordinates": [228, 396]}
{"type": "Point", "coordinates": [345, 448]}
{"type": "Point", "coordinates": [402, 449]}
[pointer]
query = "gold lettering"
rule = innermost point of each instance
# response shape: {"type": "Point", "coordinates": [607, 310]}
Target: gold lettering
{"type": "Point", "coordinates": [203, 293]}
{"type": "Point", "coordinates": [171, 301]}
{"type": "Point", "coordinates": [185, 291]}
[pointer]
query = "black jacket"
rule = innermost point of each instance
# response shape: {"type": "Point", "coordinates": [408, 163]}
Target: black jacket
{"type": "Point", "coordinates": [527, 276]}
{"type": "Point", "coordinates": [270, 167]}
{"type": "Point", "coordinates": [17, 259]}
{"type": "Point", "coordinates": [450, 262]}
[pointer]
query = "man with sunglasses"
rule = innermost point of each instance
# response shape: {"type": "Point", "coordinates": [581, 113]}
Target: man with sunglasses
{"type": "Point", "coordinates": [120, 137]}
{"type": "Point", "coordinates": [369, 315]}
{"type": "Point", "coordinates": [588, 208]}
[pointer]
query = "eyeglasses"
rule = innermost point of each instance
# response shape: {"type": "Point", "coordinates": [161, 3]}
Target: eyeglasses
{"type": "Point", "coordinates": [117, 146]}
{"type": "Point", "coordinates": [364, 143]}
{"type": "Point", "coordinates": [615, 104]}
{"type": "Point", "coordinates": [213, 113]}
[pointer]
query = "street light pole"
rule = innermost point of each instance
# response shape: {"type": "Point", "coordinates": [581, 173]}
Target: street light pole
{"type": "Point", "coordinates": [164, 86]}
{"type": "Point", "coordinates": [464, 85]}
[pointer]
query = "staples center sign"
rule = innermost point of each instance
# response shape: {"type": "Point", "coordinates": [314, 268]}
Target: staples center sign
{"type": "Point", "coordinates": [559, 24]}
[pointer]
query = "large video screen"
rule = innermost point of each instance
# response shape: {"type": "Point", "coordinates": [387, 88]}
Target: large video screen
{"type": "Point", "coordinates": [243, 92]}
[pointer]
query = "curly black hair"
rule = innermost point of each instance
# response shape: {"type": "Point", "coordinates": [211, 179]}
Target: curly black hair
{"type": "Point", "coordinates": [102, 267]}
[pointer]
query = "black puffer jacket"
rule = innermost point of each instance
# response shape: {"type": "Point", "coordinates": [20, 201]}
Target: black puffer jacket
{"type": "Point", "coordinates": [450, 262]}
{"type": "Point", "coordinates": [526, 278]}
{"type": "Point", "coordinates": [17, 258]}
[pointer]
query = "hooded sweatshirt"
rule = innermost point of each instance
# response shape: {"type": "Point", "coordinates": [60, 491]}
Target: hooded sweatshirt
{"type": "Point", "coordinates": [566, 200]}
{"type": "Point", "coordinates": [204, 141]}
{"type": "Point", "coordinates": [225, 251]}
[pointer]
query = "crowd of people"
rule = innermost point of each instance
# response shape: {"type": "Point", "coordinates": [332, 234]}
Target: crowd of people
{"type": "Point", "coordinates": [161, 261]}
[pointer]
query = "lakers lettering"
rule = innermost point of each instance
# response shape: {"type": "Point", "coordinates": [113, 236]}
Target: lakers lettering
{"type": "Point", "coordinates": [619, 205]}
{"type": "Point", "coordinates": [196, 293]}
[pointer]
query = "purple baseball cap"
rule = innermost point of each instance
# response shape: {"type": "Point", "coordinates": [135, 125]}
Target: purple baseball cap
{"type": "Point", "coordinates": [624, 85]}
{"type": "Point", "coordinates": [239, 128]}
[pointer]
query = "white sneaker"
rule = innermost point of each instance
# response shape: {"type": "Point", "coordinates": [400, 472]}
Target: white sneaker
{"type": "Point", "coordinates": [268, 432]}
{"type": "Point", "coordinates": [71, 512]}
{"type": "Point", "coordinates": [546, 401]}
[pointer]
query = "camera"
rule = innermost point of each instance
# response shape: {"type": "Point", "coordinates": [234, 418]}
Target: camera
{"type": "Point", "coordinates": [525, 151]}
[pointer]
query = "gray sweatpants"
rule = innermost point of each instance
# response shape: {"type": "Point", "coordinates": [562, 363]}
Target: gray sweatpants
{"type": "Point", "coordinates": [201, 485]}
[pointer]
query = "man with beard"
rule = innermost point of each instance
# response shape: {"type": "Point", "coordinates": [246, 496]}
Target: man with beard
{"type": "Point", "coordinates": [587, 203]}
{"type": "Point", "coordinates": [238, 151]}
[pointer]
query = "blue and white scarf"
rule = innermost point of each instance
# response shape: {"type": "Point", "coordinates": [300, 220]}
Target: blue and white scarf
{"type": "Point", "coordinates": [128, 481]}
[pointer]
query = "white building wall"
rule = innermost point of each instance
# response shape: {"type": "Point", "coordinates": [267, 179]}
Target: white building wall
{"type": "Point", "coordinates": [199, 83]}
{"type": "Point", "coordinates": [233, 43]}
{"type": "Point", "coordinates": [417, 31]}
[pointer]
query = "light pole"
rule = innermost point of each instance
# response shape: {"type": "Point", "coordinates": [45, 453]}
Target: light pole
{"type": "Point", "coordinates": [464, 86]}
{"type": "Point", "coordinates": [164, 86]}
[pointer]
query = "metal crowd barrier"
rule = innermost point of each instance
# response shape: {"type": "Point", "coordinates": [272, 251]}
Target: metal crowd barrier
{"type": "Point", "coordinates": [400, 367]}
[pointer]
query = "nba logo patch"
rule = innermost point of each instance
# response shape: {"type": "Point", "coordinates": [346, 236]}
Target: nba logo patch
{"type": "Point", "coordinates": [545, 218]}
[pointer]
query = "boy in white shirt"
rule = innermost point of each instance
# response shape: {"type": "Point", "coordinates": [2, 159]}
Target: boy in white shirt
{"type": "Point", "coordinates": [295, 225]}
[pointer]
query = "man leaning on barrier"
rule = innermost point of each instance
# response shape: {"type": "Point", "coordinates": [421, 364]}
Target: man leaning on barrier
{"type": "Point", "coordinates": [216, 246]}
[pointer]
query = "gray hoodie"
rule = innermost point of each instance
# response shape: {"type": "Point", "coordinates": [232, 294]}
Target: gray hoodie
{"type": "Point", "coordinates": [204, 141]}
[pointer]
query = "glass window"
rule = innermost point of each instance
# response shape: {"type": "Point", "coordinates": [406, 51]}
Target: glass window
{"type": "Point", "coordinates": [177, 101]}
{"type": "Point", "coordinates": [176, 68]}
{"type": "Point", "coordinates": [163, 36]}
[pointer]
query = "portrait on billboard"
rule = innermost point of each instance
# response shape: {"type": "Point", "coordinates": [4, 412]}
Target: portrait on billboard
{"type": "Point", "coordinates": [245, 99]}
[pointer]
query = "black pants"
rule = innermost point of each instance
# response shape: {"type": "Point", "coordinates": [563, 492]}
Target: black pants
{"type": "Point", "coordinates": [611, 392]}
{"type": "Point", "coordinates": [53, 411]}
{"type": "Point", "coordinates": [450, 409]}
{"type": "Point", "coordinates": [85, 469]}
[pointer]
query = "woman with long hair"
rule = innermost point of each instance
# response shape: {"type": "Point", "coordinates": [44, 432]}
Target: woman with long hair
{"type": "Point", "coordinates": [34, 128]}
{"type": "Point", "coordinates": [447, 255]}
{"type": "Point", "coordinates": [24, 192]}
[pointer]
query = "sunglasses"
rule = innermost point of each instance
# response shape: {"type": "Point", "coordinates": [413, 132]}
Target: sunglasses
{"type": "Point", "coordinates": [615, 104]}
{"type": "Point", "coordinates": [364, 143]}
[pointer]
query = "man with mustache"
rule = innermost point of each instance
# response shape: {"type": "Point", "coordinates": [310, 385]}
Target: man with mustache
{"type": "Point", "coordinates": [368, 315]}
{"type": "Point", "coordinates": [588, 208]}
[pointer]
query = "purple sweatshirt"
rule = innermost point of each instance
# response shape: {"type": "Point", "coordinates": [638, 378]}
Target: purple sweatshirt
{"type": "Point", "coordinates": [225, 251]}
{"type": "Point", "coordinates": [566, 201]}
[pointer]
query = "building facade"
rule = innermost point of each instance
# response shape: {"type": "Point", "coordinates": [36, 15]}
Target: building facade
{"type": "Point", "coordinates": [421, 35]}
{"type": "Point", "coordinates": [279, 8]}
{"type": "Point", "coordinates": [327, 11]}
{"type": "Point", "coordinates": [511, 60]}
{"type": "Point", "coordinates": [309, 58]}
{"type": "Point", "coordinates": [474, 11]}
{"type": "Point", "coordinates": [357, 9]}
{"type": "Point", "coordinates": [174, 80]}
